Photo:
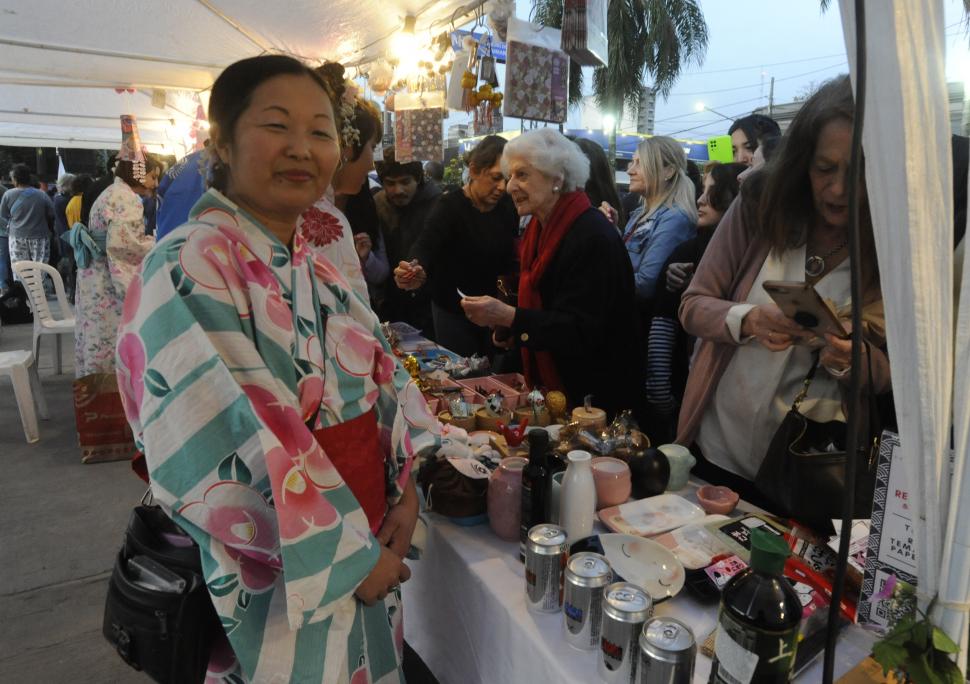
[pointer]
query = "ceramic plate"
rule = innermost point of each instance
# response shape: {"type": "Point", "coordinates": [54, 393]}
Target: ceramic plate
{"type": "Point", "coordinates": [651, 516]}
{"type": "Point", "coordinates": [641, 561]}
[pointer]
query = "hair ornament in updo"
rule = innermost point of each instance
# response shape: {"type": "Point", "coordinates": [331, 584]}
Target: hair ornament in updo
{"type": "Point", "coordinates": [131, 150]}
{"type": "Point", "coordinates": [344, 93]}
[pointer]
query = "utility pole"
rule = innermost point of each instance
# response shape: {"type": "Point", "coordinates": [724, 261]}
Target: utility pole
{"type": "Point", "coordinates": [771, 99]}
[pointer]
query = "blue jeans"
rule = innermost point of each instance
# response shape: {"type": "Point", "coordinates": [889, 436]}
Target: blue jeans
{"type": "Point", "coordinates": [6, 270]}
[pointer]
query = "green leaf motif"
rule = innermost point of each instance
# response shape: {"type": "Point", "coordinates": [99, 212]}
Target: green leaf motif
{"type": "Point", "coordinates": [942, 642]}
{"type": "Point", "coordinates": [156, 383]}
{"type": "Point", "coordinates": [243, 599]}
{"type": "Point", "coordinates": [234, 468]}
{"type": "Point", "coordinates": [280, 257]}
{"type": "Point", "coordinates": [234, 679]}
{"type": "Point", "coordinates": [229, 624]}
{"type": "Point", "coordinates": [305, 326]}
{"type": "Point", "coordinates": [223, 586]}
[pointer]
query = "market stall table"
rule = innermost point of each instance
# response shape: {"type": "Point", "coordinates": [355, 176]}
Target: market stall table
{"type": "Point", "coordinates": [465, 614]}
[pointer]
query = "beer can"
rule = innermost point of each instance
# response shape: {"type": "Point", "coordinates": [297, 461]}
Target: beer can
{"type": "Point", "coordinates": [545, 558]}
{"type": "Point", "coordinates": [625, 608]}
{"type": "Point", "coordinates": [667, 652]}
{"type": "Point", "coordinates": [582, 605]}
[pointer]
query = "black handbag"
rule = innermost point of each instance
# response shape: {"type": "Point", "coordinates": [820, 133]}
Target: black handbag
{"type": "Point", "coordinates": [158, 614]}
{"type": "Point", "coordinates": [803, 472]}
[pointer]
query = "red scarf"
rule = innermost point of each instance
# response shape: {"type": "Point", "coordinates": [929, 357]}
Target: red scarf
{"type": "Point", "coordinates": [539, 247]}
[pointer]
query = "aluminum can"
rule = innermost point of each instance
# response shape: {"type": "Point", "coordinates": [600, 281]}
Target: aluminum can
{"type": "Point", "coordinates": [625, 608]}
{"type": "Point", "coordinates": [545, 557]}
{"type": "Point", "coordinates": [667, 652]}
{"type": "Point", "coordinates": [582, 605]}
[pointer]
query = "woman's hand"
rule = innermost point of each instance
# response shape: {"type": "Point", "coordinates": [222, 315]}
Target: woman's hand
{"type": "Point", "coordinates": [679, 276]}
{"type": "Point", "coordinates": [773, 329]}
{"type": "Point", "coordinates": [488, 311]}
{"type": "Point", "coordinates": [398, 526]}
{"type": "Point", "coordinates": [363, 245]}
{"type": "Point", "coordinates": [506, 344]}
{"type": "Point", "coordinates": [410, 275]}
{"type": "Point", "coordinates": [383, 578]}
{"type": "Point", "coordinates": [609, 212]}
{"type": "Point", "coordinates": [836, 355]}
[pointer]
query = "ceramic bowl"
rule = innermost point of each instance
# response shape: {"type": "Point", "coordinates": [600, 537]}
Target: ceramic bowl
{"type": "Point", "coordinates": [467, 423]}
{"type": "Point", "coordinates": [717, 499]}
{"type": "Point", "coordinates": [612, 479]}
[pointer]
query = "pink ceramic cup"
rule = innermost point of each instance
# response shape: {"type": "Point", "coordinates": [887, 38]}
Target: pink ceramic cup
{"type": "Point", "coordinates": [611, 477]}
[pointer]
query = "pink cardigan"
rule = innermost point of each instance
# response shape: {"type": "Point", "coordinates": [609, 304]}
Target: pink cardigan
{"type": "Point", "coordinates": [723, 279]}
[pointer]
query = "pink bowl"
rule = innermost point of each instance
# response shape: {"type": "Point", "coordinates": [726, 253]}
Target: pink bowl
{"type": "Point", "coordinates": [717, 499]}
{"type": "Point", "coordinates": [611, 476]}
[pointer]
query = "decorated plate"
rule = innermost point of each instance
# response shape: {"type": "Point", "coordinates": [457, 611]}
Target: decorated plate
{"type": "Point", "coordinates": [651, 516]}
{"type": "Point", "coordinates": [641, 561]}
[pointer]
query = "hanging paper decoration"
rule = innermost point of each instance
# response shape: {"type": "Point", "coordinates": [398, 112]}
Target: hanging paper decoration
{"type": "Point", "coordinates": [584, 36]}
{"type": "Point", "coordinates": [419, 126]}
{"type": "Point", "coordinates": [380, 77]}
{"type": "Point", "coordinates": [499, 12]}
{"type": "Point", "coordinates": [536, 73]}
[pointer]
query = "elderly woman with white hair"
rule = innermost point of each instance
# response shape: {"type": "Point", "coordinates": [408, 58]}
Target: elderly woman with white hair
{"type": "Point", "coordinates": [667, 215]}
{"type": "Point", "coordinates": [574, 323]}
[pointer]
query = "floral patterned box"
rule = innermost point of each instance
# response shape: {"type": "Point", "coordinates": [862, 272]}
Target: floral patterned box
{"type": "Point", "coordinates": [419, 134]}
{"type": "Point", "coordinates": [536, 83]}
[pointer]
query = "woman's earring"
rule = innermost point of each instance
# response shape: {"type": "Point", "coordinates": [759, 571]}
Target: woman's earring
{"type": "Point", "coordinates": [555, 188]}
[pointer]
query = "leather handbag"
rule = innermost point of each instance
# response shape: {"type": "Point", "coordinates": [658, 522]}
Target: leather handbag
{"type": "Point", "coordinates": [158, 614]}
{"type": "Point", "coordinates": [803, 472]}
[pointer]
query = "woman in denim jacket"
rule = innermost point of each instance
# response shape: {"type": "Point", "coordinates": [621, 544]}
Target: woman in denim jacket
{"type": "Point", "coordinates": [667, 214]}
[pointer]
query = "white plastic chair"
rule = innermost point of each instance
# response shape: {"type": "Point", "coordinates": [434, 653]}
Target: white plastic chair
{"type": "Point", "coordinates": [22, 369]}
{"type": "Point", "coordinates": [31, 274]}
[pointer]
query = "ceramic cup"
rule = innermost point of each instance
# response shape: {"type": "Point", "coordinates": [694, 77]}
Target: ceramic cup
{"type": "Point", "coordinates": [612, 479]}
{"type": "Point", "coordinates": [555, 496]}
{"type": "Point", "coordinates": [505, 498]}
{"type": "Point", "coordinates": [681, 461]}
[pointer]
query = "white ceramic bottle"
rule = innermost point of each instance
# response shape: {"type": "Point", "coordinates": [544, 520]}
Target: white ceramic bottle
{"type": "Point", "coordinates": [577, 504]}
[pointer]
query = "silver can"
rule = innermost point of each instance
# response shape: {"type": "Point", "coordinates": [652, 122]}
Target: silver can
{"type": "Point", "coordinates": [582, 604]}
{"type": "Point", "coordinates": [625, 608]}
{"type": "Point", "coordinates": [545, 558]}
{"type": "Point", "coordinates": [667, 652]}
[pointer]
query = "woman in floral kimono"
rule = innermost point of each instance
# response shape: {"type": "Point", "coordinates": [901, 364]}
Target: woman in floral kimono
{"type": "Point", "coordinates": [277, 427]}
{"type": "Point", "coordinates": [113, 255]}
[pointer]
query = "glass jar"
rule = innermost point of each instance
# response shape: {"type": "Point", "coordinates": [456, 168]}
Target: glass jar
{"type": "Point", "coordinates": [505, 498]}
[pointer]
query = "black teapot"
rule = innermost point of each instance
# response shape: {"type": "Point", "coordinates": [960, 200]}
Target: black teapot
{"type": "Point", "coordinates": [649, 472]}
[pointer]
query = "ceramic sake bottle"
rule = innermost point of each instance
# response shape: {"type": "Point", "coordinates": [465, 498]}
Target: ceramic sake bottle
{"type": "Point", "coordinates": [577, 504]}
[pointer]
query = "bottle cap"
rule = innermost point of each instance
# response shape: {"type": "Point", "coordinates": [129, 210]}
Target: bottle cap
{"type": "Point", "coordinates": [768, 552]}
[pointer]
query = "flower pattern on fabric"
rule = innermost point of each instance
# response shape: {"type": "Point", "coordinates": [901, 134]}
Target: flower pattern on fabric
{"type": "Point", "coordinates": [320, 229]}
{"type": "Point", "coordinates": [327, 232]}
{"type": "Point", "coordinates": [101, 288]}
{"type": "Point", "coordinates": [230, 394]}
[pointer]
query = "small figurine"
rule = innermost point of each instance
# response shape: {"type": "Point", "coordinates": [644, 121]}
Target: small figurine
{"type": "Point", "coordinates": [556, 402]}
{"type": "Point", "coordinates": [458, 407]}
{"type": "Point", "coordinates": [413, 367]}
{"type": "Point", "coordinates": [514, 437]}
{"type": "Point", "coordinates": [493, 404]}
{"type": "Point", "coordinates": [537, 402]}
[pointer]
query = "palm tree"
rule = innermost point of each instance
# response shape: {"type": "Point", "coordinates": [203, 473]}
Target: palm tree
{"type": "Point", "coordinates": [655, 38]}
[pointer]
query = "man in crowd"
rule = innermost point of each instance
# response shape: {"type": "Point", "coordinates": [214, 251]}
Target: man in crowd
{"type": "Point", "coordinates": [402, 209]}
{"type": "Point", "coordinates": [27, 214]}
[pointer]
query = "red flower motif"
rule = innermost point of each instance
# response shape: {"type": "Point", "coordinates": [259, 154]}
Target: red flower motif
{"type": "Point", "coordinates": [320, 228]}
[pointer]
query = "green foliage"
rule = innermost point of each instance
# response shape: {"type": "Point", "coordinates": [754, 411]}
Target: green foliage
{"type": "Point", "coordinates": [453, 172]}
{"type": "Point", "coordinates": [920, 649]}
{"type": "Point", "coordinates": [655, 38]}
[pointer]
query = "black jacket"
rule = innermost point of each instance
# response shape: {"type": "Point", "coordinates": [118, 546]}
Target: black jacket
{"type": "Point", "coordinates": [589, 320]}
{"type": "Point", "coordinates": [401, 229]}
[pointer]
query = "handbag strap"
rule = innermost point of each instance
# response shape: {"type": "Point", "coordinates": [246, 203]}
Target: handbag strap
{"type": "Point", "coordinates": [807, 382]}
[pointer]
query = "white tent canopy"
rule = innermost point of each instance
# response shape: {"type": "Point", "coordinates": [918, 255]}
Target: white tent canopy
{"type": "Point", "coordinates": [60, 63]}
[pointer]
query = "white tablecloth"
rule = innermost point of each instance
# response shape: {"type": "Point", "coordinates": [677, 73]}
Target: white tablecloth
{"type": "Point", "coordinates": [465, 615]}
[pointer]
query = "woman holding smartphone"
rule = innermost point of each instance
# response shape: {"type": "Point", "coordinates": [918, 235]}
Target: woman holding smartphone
{"type": "Point", "coordinates": [752, 359]}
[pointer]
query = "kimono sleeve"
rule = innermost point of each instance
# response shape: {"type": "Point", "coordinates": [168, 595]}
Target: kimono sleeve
{"type": "Point", "coordinates": [227, 450]}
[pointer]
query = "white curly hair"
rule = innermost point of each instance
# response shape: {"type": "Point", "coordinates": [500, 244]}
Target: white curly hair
{"type": "Point", "coordinates": [552, 154]}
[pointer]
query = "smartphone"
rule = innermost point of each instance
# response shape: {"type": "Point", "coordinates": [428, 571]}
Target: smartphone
{"type": "Point", "coordinates": [719, 149]}
{"type": "Point", "coordinates": [803, 304]}
{"type": "Point", "coordinates": [150, 574]}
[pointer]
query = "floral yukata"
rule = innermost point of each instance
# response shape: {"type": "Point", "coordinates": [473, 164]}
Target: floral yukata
{"type": "Point", "coordinates": [116, 216]}
{"type": "Point", "coordinates": [231, 353]}
{"type": "Point", "coordinates": [327, 231]}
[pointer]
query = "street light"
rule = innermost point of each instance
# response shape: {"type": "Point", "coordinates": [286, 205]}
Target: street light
{"type": "Point", "coordinates": [608, 122]}
{"type": "Point", "coordinates": [701, 107]}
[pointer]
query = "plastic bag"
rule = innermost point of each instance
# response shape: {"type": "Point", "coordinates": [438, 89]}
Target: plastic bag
{"type": "Point", "coordinates": [584, 35]}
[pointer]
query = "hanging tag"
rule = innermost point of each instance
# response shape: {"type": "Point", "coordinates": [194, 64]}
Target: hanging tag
{"type": "Point", "coordinates": [487, 72]}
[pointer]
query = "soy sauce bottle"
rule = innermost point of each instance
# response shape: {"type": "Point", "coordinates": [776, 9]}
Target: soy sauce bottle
{"type": "Point", "coordinates": [757, 625]}
{"type": "Point", "coordinates": [536, 486]}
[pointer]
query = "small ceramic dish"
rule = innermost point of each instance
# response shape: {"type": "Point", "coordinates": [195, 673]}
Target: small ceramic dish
{"type": "Point", "coordinates": [717, 499]}
{"type": "Point", "coordinates": [643, 562]}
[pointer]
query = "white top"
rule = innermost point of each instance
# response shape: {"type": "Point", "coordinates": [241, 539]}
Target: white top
{"type": "Point", "coordinates": [759, 386]}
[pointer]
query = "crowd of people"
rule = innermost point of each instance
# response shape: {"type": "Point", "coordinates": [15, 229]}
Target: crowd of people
{"type": "Point", "coordinates": [243, 325]}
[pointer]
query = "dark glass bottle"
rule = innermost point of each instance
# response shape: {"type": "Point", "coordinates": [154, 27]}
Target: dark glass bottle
{"type": "Point", "coordinates": [757, 625]}
{"type": "Point", "coordinates": [536, 486]}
